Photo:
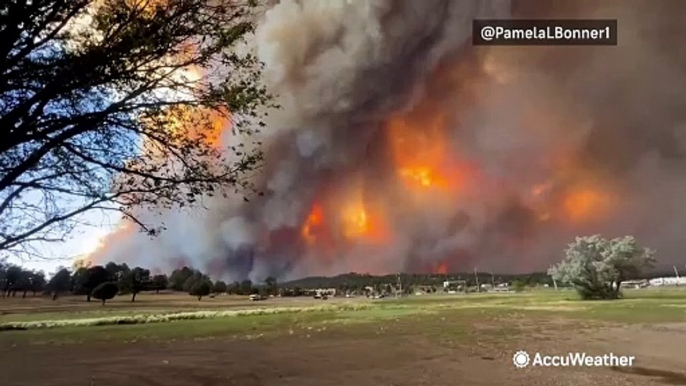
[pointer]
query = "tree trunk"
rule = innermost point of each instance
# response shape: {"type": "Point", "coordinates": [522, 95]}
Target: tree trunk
{"type": "Point", "coordinates": [133, 297]}
{"type": "Point", "coordinates": [88, 297]}
{"type": "Point", "coordinates": [54, 296]}
{"type": "Point", "coordinates": [103, 302]}
{"type": "Point", "coordinates": [157, 291]}
{"type": "Point", "coordinates": [199, 297]}
{"type": "Point", "coordinates": [23, 296]}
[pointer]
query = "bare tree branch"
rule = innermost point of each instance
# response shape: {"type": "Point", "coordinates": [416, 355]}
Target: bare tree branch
{"type": "Point", "coordinates": [112, 105]}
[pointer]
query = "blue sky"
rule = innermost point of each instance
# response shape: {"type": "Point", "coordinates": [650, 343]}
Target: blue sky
{"type": "Point", "coordinates": [83, 241]}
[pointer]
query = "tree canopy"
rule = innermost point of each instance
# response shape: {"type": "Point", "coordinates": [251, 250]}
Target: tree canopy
{"type": "Point", "coordinates": [59, 282]}
{"type": "Point", "coordinates": [14, 278]}
{"type": "Point", "coordinates": [135, 281]}
{"type": "Point", "coordinates": [200, 288]}
{"type": "Point", "coordinates": [105, 291]}
{"type": "Point", "coordinates": [87, 278]}
{"type": "Point", "coordinates": [219, 287]}
{"type": "Point", "coordinates": [596, 266]}
{"type": "Point", "coordinates": [114, 105]}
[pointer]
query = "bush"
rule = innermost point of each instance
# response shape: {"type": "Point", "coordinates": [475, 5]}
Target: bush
{"type": "Point", "coordinates": [105, 291]}
{"type": "Point", "coordinates": [518, 286]}
{"type": "Point", "coordinates": [596, 267]}
{"type": "Point", "coordinates": [200, 289]}
{"type": "Point", "coordinates": [219, 287]}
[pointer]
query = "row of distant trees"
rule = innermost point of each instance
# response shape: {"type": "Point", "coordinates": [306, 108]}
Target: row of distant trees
{"type": "Point", "coordinates": [432, 282]}
{"type": "Point", "coordinates": [595, 266]}
{"type": "Point", "coordinates": [15, 279]}
{"type": "Point", "coordinates": [105, 282]}
{"type": "Point", "coordinates": [131, 281]}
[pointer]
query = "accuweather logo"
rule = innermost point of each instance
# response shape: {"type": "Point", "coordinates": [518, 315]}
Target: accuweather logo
{"type": "Point", "coordinates": [522, 359]}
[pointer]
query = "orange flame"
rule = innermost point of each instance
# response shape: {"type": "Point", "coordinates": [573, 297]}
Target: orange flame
{"type": "Point", "coordinates": [585, 204]}
{"type": "Point", "coordinates": [359, 222]}
{"type": "Point", "coordinates": [355, 222]}
{"type": "Point", "coordinates": [418, 147]}
{"type": "Point", "coordinates": [441, 269]}
{"type": "Point", "coordinates": [313, 223]}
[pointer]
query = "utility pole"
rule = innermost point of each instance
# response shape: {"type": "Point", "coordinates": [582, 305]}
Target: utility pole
{"type": "Point", "coordinates": [476, 277]}
{"type": "Point", "coordinates": [492, 280]}
{"type": "Point", "coordinates": [677, 275]}
{"type": "Point", "coordinates": [554, 282]}
{"type": "Point", "coordinates": [399, 289]}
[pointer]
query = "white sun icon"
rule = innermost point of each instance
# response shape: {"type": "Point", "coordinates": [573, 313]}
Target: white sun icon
{"type": "Point", "coordinates": [520, 359]}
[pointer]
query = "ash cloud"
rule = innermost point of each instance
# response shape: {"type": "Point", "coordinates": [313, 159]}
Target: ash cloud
{"type": "Point", "coordinates": [554, 142]}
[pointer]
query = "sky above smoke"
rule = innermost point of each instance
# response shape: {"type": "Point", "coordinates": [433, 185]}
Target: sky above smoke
{"type": "Point", "coordinates": [401, 147]}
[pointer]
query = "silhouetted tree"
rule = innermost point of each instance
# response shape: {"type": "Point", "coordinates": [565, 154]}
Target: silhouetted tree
{"type": "Point", "coordinates": [195, 277]}
{"type": "Point", "coordinates": [297, 291]}
{"type": "Point", "coordinates": [219, 287]}
{"type": "Point", "coordinates": [60, 282]}
{"type": "Point", "coordinates": [234, 288]}
{"type": "Point", "coordinates": [116, 272]}
{"type": "Point", "coordinates": [13, 276]}
{"type": "Point", "coordinates": [105, 291]}
{"type": "Point", "coordinates": [179, 277]}
{"type": "Point", "coordinates": [135, 281]}
{"type": "Point", "coordinates": [86, 279]}
{"type": "Point", "coordinates": [245, 288]}
{"type": "Point", "coordinates": [159, 282]}
{"type": "Point", "coordinates": [38, 282]}
{"type": "Point", "coordinates": [86, 84]}
{"type": "Point", "coordinates": [272, 288]}
{"type": "Point", "coordinates": [201, 288]}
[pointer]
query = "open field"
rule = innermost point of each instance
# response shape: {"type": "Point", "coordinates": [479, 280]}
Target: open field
{"type": "Point", "coordinates": [73, 307]}
{"type": "Point", "coordinates": [431, 340]}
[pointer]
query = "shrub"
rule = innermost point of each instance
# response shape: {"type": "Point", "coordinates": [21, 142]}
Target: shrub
{"type": "Point", "coordinates": [518, 286]}
{"type": "Point", "coordinates": [105, 291]}
{"type": "Point", "coordinates": [200, 289]}
{"type": "Point", "coordinates": [596, 266]}
{"type": "Point", "coordinates": [219, 287]}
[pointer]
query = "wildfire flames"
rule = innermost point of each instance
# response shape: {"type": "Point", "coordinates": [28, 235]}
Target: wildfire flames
{"type": "Point", "coordinates": [410, 162]}
{"type": "Point", "coordinates": [585, 204]}
{"type": "Point", "coordinates": [419, 149]}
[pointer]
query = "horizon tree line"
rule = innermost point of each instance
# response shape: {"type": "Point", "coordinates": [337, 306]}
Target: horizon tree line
{"type": "Point", "coordinates": [103, 282]}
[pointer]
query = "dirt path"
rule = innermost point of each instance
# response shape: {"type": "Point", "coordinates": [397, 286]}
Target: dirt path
{"type": "Point", "coordinates": [337, 357]}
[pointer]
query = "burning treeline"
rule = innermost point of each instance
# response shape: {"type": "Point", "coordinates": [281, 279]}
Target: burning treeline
{"type": "Point", "coordinates": [400, 147]}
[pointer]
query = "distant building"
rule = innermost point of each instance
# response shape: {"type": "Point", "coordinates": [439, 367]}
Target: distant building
{"type": "Point", "coordinates": [635, 283]}
{"type": "Point", "coordinates": [454, 285]}
{"type": "Point", "coordinates": [667, 281]}
{"type": "Point", "coordinates": [325, 291]}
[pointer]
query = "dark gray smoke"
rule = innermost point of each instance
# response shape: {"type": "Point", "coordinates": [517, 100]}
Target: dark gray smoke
{"type": "Point", "coordinates": [534, 145]}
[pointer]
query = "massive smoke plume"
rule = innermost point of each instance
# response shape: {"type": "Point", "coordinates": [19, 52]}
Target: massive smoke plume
{"type": "Point", "coordinates": [401, 147]}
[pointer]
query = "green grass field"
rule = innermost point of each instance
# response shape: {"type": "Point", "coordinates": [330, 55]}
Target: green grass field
{"type": "Point", "coordinates": [74, 320]}
{"type": "Point", "coordinates": [173, 339]}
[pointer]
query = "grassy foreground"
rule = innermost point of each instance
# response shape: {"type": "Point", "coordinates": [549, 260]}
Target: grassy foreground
{"type": "Point", "coordinates": [136, 323]}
